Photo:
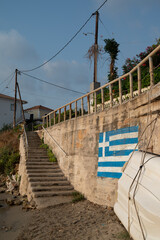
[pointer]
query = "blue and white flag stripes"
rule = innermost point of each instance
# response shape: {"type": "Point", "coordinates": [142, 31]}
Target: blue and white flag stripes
{"type": "Point", "coordinates": [114, 149]}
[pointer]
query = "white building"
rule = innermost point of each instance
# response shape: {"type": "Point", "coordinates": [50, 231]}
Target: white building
{"type": "Point", "coordinates": [37, 112]}
{"type": "Point", "coordinates": [7, 110]}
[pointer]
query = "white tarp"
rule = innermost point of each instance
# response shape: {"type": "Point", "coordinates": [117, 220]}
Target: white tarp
{"type": "Point", "coordinates": [143, 188]}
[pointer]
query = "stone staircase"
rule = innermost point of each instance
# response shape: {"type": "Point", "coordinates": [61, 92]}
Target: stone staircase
{"type": "Point", "coordinates": [48, 184]}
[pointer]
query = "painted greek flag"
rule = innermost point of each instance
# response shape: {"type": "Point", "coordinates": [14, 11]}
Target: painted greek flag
{"type": "Point", "coordinates": [114, 149]}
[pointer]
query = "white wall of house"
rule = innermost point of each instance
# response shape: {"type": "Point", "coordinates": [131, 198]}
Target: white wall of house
{"type": "Point", "coordinates": [35, 113]}
{"type": "Point", "coordinates": [7, 110]}
{"type": "Point", "coordinates": [43, 112]}
{"type": "Point", "coordinates": [38, 113]}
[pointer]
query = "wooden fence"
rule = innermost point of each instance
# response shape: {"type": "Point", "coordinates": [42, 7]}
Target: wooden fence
{"type": "Point", "coordinates": [62, 114]}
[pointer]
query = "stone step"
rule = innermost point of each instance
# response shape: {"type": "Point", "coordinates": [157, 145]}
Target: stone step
{"type": "Point", "coordinates": [32, 175]}
{"type": "Point", "coordinates": [43, 163]}
{"type": "Point", "coordinates": [42, 167]}
{"type": "Point", "coordinates": [37, 149]}
{"type": "Point", "coordinates": [34, 141]}
{"type": "Point", "coordinates": [53, 193]}
{"type": "Point", "coordinates": [54, 183]}
{"type": "Point", "coordinates": [47, 179]}
{"type": "Point", "coordinates": [44, 202]}
{"type": "Point", "coordinates": [52, 188]}
{"type": "Point", "coordinates": [40, 163]}
{"type": "Point", "coordinates": [48, 184]}
{"type": "Point", "coordinates": [37, 154]}
{"type": "Point", "coordinates": [34, 138]}
{"type": "Point", "coordinates": [48, 170]}
{"type": "Point", "coordinates": [37, 158]}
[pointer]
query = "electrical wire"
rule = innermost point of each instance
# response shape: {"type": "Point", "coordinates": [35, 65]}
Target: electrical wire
{"type": "Point", "coordinates": [39, 95]}
{"type": "Point", "coordinates": [6, 78]}
{"type": "Point", "coordinates": [72, 38]}
{"type": "Point", "coordinates": [8, 84]}
{"type": "Point", "coordinates": [107, 31]}
{"type": "Point", "coordinates": [53, 84]}
{"type": "Point", "coordinates": [101, 6]}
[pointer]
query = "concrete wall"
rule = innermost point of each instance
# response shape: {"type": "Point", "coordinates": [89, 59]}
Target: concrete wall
{"type": "Point", "coordinates": [6, 113]}
{"type": "Point", "coordinates": [25, 187]}
{"type": "Point", "coordinates": [79, 139]}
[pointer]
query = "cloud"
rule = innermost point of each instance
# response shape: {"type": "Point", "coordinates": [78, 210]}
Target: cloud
{"type": "Point", "coordinates": [14, 46]}
{"type": "Point", "coordinates": [69, 74]}
{"type": "Point", "coordinates": [15, 52]}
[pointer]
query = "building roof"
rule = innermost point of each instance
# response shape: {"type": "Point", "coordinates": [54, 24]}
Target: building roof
{"type": "Point", "coordinates": [39, 107]}
{"type": "Point", "coordinates": [10, 98]}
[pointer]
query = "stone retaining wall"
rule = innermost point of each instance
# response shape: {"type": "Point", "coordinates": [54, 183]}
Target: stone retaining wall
{"type": "Point", "coordinates": [79, 139]}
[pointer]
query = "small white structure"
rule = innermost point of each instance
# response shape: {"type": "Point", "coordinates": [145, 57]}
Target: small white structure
{"type": "Point", "coordinates": [37, 112]}
{"type": "Point", "coordinates": [138, 203]}
{"type": "Point", "coordinates": [7, 110]}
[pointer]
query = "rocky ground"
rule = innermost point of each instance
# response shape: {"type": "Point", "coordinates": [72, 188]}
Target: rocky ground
{"type": "Point", "coordinates": [19, 220]}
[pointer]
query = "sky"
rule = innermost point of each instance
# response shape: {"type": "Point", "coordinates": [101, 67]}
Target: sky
{"type": "Point", "coordinates": [32, 31]}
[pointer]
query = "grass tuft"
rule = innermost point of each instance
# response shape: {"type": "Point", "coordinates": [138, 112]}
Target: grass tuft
{"type": "Point", "coordinates": [51, 156]}
{"type": "Point", "coordinates": [77, 197]}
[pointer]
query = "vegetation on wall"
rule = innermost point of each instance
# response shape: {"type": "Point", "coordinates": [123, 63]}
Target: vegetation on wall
{"type": "Point", "coordinates": [51, 156]}
{"type": "Point", "coordinates": [112, 48]}
{"type": "Point", "coordinates": [130, 63]}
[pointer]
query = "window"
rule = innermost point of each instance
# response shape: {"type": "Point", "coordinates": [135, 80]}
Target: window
{"type": "Point", "coordinates": [12, 107]}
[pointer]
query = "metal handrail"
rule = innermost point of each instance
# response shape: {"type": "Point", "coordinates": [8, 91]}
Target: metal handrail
{"type": "Point", "coordinates": [109, 84]}
{"type": "Point", "coordinates": [55, 142]}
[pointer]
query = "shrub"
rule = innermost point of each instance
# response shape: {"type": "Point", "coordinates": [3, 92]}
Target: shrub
{"type": "Point", "coordinates": [8, 161]}
{"type": "Point", "coordinates": [51, 156]}
{"type": "Point", "coordinates": [5, 127]}
{"type": "Point", "coordinates": [37, 127]}
{"type": "Point", "coordinates": [77, 197]}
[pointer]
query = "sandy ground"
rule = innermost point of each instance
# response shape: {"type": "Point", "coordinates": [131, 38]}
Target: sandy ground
{"type": "Point", "coordinates": [81, 220]}
{"type": "Point", "coordinates": [70, 221]}
{"type": "Point", "coordinates": [12, 219]}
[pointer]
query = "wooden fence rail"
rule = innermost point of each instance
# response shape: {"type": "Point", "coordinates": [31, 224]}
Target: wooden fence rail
{"type": "Point", "coordinates": [51, 118]}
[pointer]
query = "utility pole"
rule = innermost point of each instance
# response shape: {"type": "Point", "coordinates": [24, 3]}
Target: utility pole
{"type": "Point", "coordinates": [21, 103]}
{"type": "Point", "coordinates": [94, 85]}
{"type": "Point", "coordinates": [15, 99]}
{"type": "Point", "coordinates": [96, 47]}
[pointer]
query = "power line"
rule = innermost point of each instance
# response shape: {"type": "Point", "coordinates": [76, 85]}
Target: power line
{"type": "Point", "coordinates": [39, 95]}
{"type": "Point", "coordinates": [53, 84]}
{"type": "Point", "coordinates": [6, 78]}
{"type": "Point", "coordinates": [110, 36]}
{"type": "Point", "coordinates": [8, 83]}
{"type": "Point", "coordinates": [107, 31]}
{"type": "Point", "coordinates": [41, 65]}
{"type": "Point", "coordinates": [59, 50]}
{"type": "Point", "coordinates": [101, 5]}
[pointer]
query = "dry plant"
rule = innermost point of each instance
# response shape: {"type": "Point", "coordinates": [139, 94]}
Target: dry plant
{"type": "Point", "coordinates": [91, 52]}
{"type": "Point", "coordinates": [10, 139]}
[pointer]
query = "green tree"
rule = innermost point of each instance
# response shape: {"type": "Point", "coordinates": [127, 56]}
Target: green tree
{"type": "Point", "coordinates": [111, 48]}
